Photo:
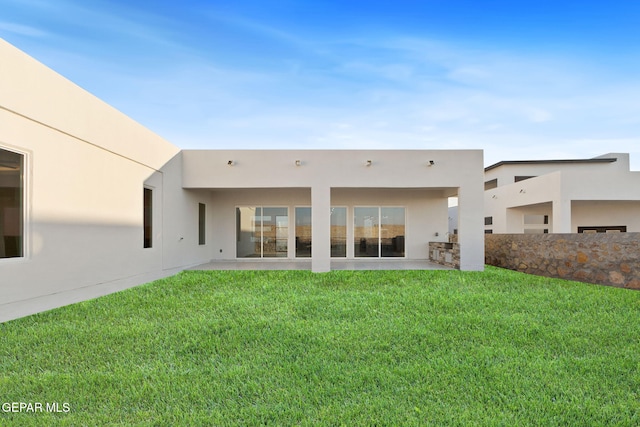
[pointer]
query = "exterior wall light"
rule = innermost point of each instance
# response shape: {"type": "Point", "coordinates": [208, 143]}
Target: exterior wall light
{"type": "Point", "coordinates": [230, 163]}
{"type": "Point", "coordinates": [431, 163]}
{"type": "Point", "coordinates": [298, 162]}
{"type": "Point", "coordinates": [368, 163]}
{"type": "Point", "coordinates": [522, 191]}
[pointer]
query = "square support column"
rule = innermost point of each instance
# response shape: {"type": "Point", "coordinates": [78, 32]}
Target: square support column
{"type": "Point", "coordinates": [321, 229]}
{"type": "Point", "coordinates": [561, 212]}
{"type": "Point", "coordinates": [471, 228]}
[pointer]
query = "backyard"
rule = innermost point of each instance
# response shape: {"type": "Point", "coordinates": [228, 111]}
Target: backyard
{"type": "Point", "coordinates": [341, 348]}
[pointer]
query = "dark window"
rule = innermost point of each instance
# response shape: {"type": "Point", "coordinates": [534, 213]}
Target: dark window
{"type": "Point", "coordinates": [488, 220]}
{"type": "Point", "coordinates": [201, 223]}
{"type": "Point", "coordinates": [488, 185]}
{"type": "Point", "coordinates": [522, 178]}
{"type": "Point", "coordinates": [11, 204]}
{"type": "Point", "coordinates": [148, 217]}
{"type": "Point", "coordinates": [603, 229]}
{"type": "Point", "coordinates": [488, 231]}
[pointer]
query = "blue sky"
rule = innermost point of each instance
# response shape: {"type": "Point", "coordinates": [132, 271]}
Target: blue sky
{"type": "Point", "coordinates": [520, 79]}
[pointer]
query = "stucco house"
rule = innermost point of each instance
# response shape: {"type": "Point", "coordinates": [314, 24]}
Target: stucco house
{"type": "Point", "coordinates": [600, 194]}
{"type": "Point", "coordinates": [92, 202]}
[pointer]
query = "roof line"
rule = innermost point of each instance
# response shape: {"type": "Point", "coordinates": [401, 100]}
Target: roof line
{"type": "Point", "coordinates": [539, 162]}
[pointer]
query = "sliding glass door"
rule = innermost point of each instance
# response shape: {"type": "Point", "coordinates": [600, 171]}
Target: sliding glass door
{"type": "Point", "coordinates": [392, 228]}
{"type": "Point", "coordinates": [262, 232]}
{"type": "Point", "coordinates": [379, 232]}
{"type": "Point", "coordinates": [366, 233]}
{"type": "Point", "coordinates": [303, 232]}
{"type": "Point", "coordinates": [338, 232]}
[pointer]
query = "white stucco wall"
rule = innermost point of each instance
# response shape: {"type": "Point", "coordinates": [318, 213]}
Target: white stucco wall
{"type": "Point", "coordinates": [602, 213]}
{"type": "Point", "coordinates": [326, 172]}
{"type": "Point", "coordinates": [86, 166]}
{"type": "Point", "coordinates": [571, 194]}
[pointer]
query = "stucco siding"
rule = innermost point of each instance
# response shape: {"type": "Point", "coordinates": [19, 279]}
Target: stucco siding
{"type": "Point", "coordinates": [86, 166]}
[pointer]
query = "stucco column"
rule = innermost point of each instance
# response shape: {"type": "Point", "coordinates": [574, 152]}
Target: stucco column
{"type": "Point", "coordinates": [562, 216]}
{"type": "Point", "coordinates": [321, 229]}
{"type": "Point", "coordinates": [471, 228]}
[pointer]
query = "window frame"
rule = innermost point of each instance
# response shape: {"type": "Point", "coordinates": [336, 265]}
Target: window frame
{"type": "Point", "coordinates": [295, 231]}
{"type": "Point", "coordinates": [262, 207]}
{"type": "Point", "coordinates": [602, 229]}
{"type": "Point", "coordinates": [146, 216]}
{"type": "Point", "coordinates": [25, 204]}
{"type": "Point", "coordinates": [347, 230]}
{"type": "Point", "coordinates": [379, 207]}
{"type": "Point", "coordinates": [202, 224]}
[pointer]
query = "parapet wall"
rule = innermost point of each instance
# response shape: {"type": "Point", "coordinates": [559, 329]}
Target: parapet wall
{"type": "Point", "coordinates": [604, 258]}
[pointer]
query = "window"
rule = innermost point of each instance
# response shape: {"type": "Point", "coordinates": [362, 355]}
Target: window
{"type": "Point", "coordinates": [366, 232]}
{"type": "Point", "coordinates": [488, 185]}
{"type": "Point", "coordinates": [202, 209]}
{"type": "Point", "coordinates": [379, 231]}
{"type": "Point", "coordinates": [488, 231]}
{"type": "Point", "coordinates": [262, 232]}
{"type": "Point", "coordinates": [148, 218]}
{"type": "Point", "coordinates": [603, 229]}
{"type": "Point", "coordinates": [303, 232]}
{"type": "Point", "coordinates": [488, 220]}
{"type": "Point", "coordinates": [339, 232]}
{"type": "Point", "coordinates": [522, 178]}
{"type": "Point", "coordinates": [392, 226]}
{"type": "Point", "coordinates": [11, 204]}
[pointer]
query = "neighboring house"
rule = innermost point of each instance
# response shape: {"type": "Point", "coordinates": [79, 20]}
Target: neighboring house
{"type": "Point", "coordinates": [562, 196]}
{"type": "Point", "coordinates": [91, 202]}
{"type": "Point", "coordinates": [453, 220]}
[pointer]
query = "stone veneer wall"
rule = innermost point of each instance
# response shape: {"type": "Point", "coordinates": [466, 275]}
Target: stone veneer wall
{"type": "Point", "coordinates": [603, 258]}
{"type": "Point", "coordinates": [443, 253]}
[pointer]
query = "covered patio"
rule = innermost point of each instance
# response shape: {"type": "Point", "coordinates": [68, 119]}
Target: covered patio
{"type": "Point", "coordinates": [336, 264]}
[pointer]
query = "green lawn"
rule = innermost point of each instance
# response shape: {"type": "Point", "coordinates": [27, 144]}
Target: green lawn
{"type": "Point", "coordinates": [342, 348]}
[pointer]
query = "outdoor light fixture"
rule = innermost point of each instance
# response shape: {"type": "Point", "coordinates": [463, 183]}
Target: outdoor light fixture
{"type": "Point", "coordinates": [298, 162]}
{"type": "Point", "coordinates": [368, 162]}
{"type": "Point", "coordinates": [522, 190]}
{"type": "Point", "coordinates": [494, 197]}
{"type": "Point", "coordinates": [431, 163]}
{"type": "Point", "coordinates": [230, 163]}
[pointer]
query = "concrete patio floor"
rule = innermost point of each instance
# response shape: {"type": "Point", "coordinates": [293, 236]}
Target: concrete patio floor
{"type": "Point", "coordinates": [297, 264]}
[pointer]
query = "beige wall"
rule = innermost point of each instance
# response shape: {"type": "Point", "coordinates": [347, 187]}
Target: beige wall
{"type": "Point", "coordinates": [326, 172]}
{"type": "Point", "coordinates": [605, 213]}
{"type": "Point", "coordinates": [86, 166]}
{"type": "Point", "coordinates": [572, 194]}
